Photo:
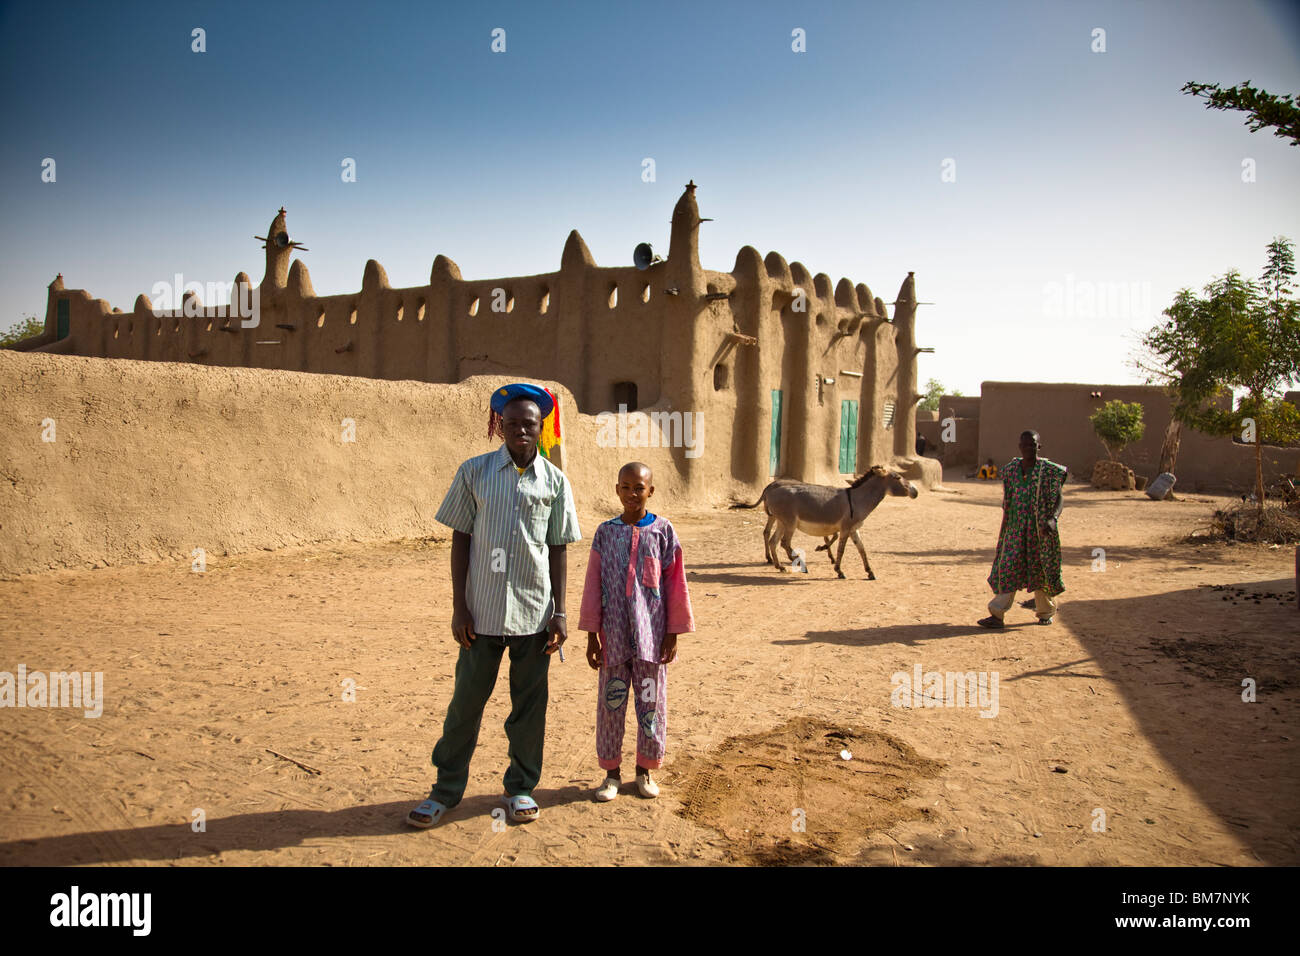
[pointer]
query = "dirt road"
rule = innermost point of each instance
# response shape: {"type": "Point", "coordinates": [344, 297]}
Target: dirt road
{"type": "Point", "coordinates": [1119, 736]}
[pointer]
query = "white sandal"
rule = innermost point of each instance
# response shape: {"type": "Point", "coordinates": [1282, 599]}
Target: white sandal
{"type": "Point", "coordinates": [644, 783]}
{"type": "Point", "coordinates": [608, 790]}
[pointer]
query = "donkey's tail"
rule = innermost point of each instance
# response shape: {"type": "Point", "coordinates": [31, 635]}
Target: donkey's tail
{"type": "Point", "coordinates": [755, 504]}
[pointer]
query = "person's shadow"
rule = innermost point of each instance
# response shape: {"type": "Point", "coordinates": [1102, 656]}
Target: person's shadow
{"type": "Point", "coordinates": [911, 635]}
{"type": "Point", "coordinates": [269, 830]}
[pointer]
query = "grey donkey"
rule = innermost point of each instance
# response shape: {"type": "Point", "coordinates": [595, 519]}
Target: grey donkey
{"type": "Point", "coordinates": [825, 511]}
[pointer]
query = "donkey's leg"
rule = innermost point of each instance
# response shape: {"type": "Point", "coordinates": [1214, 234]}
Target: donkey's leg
{"type": "Point", "coordinates": [827, 548]}
{"type": "Point", "coordinates": [839, 556]}
{"type": "Point", "coordinates": [787, 534]}
{"type": "Point", "coordinates": [767, 540]}
{"type": "Point", "coordinates": [863, 551]}
{"type": "Point", "coordinates": [776, 557]}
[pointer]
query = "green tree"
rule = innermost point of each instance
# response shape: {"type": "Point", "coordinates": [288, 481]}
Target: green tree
{"type": "Point", "coordinates": [1118, 425]}
{"type": "Point", "coordinates": [29, 326]}
{"type": "Point", "coordinates": [1277, 420]}
{"type": "Point", "coordinates": [1281, 114]}
{"type": "Point", "coordinates": [1241, 335]}
{"type": "Point", "coordinates": [933, 391]}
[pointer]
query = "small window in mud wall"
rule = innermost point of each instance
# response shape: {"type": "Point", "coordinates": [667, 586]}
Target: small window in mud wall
{"type": "Point", "coordinates": [625, 394]}
{"type": "Point", "coordinates": [888, 417]}
{"type": "Point", "coordinates": [719, 377]}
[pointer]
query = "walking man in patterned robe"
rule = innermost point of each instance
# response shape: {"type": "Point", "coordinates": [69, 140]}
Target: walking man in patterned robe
{"type": "Point", "coordinates": [1029, 544]}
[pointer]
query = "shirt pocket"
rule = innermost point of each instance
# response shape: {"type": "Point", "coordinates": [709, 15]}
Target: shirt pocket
{"type": "Point", "coordinates": [650, 573]}
{"type": "Point", "coordinates": [536, 515]}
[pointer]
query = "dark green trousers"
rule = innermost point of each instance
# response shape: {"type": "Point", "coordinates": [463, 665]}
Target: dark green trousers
{"type": "Point", "coordinates": [476, 674]}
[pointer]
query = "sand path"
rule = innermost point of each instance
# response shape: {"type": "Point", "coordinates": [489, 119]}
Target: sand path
{"type": "Point", "coordinates": [1135, 693]}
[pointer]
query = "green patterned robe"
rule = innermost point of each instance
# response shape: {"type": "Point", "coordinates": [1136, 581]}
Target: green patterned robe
{"type": "Point", "coordinates": [1029, 549]}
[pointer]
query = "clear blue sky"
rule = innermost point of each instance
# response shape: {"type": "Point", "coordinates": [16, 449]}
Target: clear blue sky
{"type": "Point", "coordinates": [1073, 167]}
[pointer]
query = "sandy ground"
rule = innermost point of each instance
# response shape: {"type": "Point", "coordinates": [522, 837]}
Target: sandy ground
{"type": "Point", "coordinates": [1128, 709]}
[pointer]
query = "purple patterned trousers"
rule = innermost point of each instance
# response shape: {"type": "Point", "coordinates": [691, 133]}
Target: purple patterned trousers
{"type": "Point", "coordinates": [647, 684]}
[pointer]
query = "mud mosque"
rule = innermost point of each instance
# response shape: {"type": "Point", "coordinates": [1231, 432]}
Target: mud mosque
{"type": "Point", "coordinates": [793, 377]}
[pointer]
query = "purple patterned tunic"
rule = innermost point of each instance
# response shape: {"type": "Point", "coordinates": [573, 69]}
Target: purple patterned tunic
{"type": "Point", "coordinates": [635, 591]}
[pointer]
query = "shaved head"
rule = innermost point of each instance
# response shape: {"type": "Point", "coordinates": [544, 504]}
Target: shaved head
{"type": "Point", "coordinates": [636, 469]}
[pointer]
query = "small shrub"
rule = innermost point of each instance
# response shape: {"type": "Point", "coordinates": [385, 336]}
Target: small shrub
{"type": "Point", "coordinates": [1118, 425]}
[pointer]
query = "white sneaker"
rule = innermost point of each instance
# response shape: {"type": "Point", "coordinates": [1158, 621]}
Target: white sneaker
{"type": "Point", "coordinates": [647, 786]}
{"type": "Point", "coordinates": [608, 790]}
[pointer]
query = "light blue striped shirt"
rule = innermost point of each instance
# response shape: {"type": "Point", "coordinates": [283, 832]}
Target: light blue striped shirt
{"type": "Point", "coordinates": [512, 519]}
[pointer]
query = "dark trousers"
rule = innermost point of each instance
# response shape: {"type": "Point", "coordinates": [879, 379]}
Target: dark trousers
{"type": "Point", "coordinates": [476, 674]}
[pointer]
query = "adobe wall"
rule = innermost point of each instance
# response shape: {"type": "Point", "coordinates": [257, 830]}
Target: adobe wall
{"type": "Point", "coordinates": [959, 406]}
{"type": "Point", "coordinates": [152, 460]}
{"type": "Point", "coordinates": [691, 340]}
{"type": "Point", "coordinates": [1060, 412]}
{"type": "Point", "coordinates": [840, 347]}
{"type": "Point", "coordinates": [442, 332]}
{"type": "Point", "coordinates": [929, 429]}
{"type": "Point", "coordinates": [964, 451]}
{"type": "Point", "coordinates": [964, 411]}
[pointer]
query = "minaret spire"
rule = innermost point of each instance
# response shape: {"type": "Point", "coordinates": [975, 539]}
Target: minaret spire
{"type": "Point", "coordinates": [278, 248]}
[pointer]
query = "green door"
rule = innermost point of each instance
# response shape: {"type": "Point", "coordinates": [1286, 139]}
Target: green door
{"type": "Point", "coordinates": [849, 436]}
{"type": "Point", "coordinates": [774, 457]}
{"type": "Point", "coordinates": [63, 318]}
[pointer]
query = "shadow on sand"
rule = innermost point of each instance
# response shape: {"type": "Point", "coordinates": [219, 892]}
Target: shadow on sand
{"type": "Point", "coordinates": [1238, 757]}
{"type": "Point", "coordinates": [1217, 644]}
{"type": "Point", "coordinates": [250, 831]}
{"type": "Point", "coordinates": [911, 635]}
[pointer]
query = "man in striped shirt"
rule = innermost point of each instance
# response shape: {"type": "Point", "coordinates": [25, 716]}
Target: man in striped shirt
{"type": "Point", "coordinates": [511, 513]}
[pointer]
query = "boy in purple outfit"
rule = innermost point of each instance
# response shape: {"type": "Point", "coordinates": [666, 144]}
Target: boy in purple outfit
{"type": "Point", "coordinates": [635, 599]}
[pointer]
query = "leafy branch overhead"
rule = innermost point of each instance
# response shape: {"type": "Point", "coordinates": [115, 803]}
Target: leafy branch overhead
{"type": "Point", "coordinates": [1267, 111]}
